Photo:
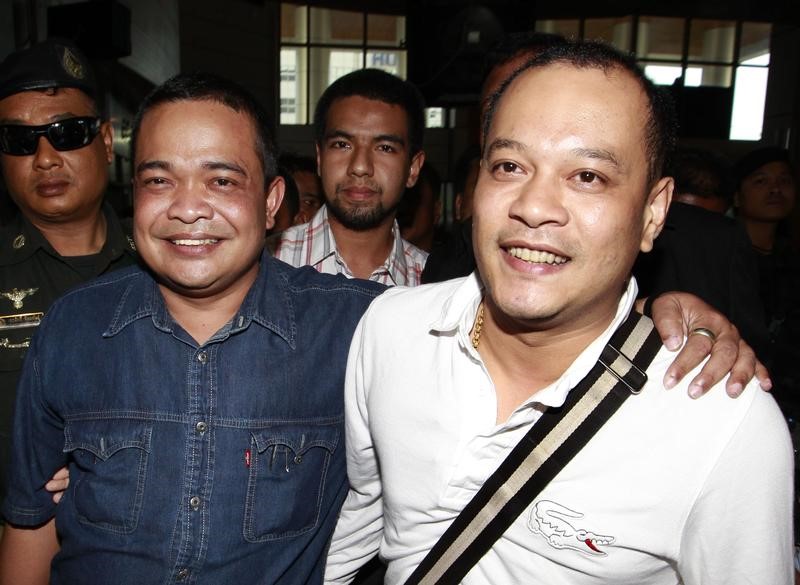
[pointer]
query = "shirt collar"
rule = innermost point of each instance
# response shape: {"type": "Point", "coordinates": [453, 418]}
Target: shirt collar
{"type": "Point", "coordinates": [319, 237]}
{"type": "Point", "coordinates": [459, 312]}
{"type": "Point", "coordinates": [268, 303]}
{"type": "Point", "coordinates": [322, 244]}
{"type": "Point", "coordinates": [25, 239]}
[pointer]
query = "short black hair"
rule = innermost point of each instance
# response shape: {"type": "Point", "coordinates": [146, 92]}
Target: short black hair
{"type": "Point", "coordinates": [755, 159]}
{"type": "Point", "coordinates": [700, 172]}
{"type": "Point", "coordinates": [198, 86]}
{"type": "Point", "coordinates": [297, 163]}
{"type": "Point", "coordinates": [661, 129]}
{"type": "Point", "coordinates": [375, 84]}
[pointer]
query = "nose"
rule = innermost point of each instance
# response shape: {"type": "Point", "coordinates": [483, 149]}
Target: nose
{"type": "Point", "coordinates": [190, 203]}
{"type": "Point", "coordinates": [539, 201]}
{"type": "Point", "coordinates": [46, 157]}
{"type": "Point", "coordinates": [360, 164]}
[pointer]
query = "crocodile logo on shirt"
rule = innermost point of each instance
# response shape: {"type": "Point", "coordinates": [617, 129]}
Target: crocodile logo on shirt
{"type": "Point", "coordinates": [558, 524]}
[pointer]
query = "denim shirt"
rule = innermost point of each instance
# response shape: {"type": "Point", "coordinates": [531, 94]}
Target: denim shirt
{"type": "Point", "coordinates": [215, 464]}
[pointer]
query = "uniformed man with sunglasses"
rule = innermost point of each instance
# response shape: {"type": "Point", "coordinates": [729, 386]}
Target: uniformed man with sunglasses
{"type": "Point", "coordinates": [55, 149]}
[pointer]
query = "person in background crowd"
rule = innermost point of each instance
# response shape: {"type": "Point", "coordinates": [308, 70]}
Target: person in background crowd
{"type": "Point", "coordinates": [701, 179]}
{"type": "Point", "coordinates": [303, 169]}
{"type": "Point", "coordinates": [704, 252]}
{"type": "Point", "coordinates": [55, 148]}
{"type": "Point", "coordinates": [369, 127]}
{"type": "Point", "coordinates": [421, 209]}
{"type": "Point", "coordinates": [766, 193]}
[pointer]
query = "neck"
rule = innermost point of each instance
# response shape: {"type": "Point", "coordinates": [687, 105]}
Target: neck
{"type": "Point", "coordinates": [523, 361]}
{"type": "Point", "coordinates": [202, 317]}
{"type": "Point", "coordinates": [762, 234]}
{"type": "Point", "coordinates": [80, 237]}
{"type": "Point", "coordinates": [365, 250]}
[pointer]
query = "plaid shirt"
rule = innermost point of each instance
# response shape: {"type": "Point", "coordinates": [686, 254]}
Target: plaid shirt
{"type": "Point", "coordinates": [313, 244]}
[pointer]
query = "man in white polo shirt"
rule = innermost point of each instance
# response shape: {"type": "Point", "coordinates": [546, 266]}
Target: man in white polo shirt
{"type": "Point", "coordinates": [669, 490]}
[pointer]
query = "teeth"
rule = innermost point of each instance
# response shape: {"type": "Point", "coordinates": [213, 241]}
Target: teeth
{"type": "Point", "coordinates": [536, 256]}
{"type": "Point", "coordinates": [193, 242]}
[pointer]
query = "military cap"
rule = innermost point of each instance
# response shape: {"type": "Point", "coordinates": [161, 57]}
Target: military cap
{"type": "Point", "coordinates": [52, 63]}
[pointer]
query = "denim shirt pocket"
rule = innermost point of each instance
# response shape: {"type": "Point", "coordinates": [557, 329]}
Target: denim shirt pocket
{"type": "Point", "coordinates": [288, 466]}
{"type": "Point", "coordinates": [111, 461]}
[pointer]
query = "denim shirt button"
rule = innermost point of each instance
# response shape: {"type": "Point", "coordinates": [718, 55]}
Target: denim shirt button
{"type": "Point", "coordinates": [202, 357]}
{"type": "Point", "coordinates": [183, 573]}
{"type": "Point", "coordinates": [201, 427]}
{"type": "Point", "coordinates": [194, 502]}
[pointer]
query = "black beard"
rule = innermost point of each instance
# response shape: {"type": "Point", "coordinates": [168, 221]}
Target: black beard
{"type": "Point", "coordinates": [361, 219]}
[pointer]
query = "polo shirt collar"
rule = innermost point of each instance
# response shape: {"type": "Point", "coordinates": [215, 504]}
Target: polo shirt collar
{"type": "Point", "coordinates": [458, 316]}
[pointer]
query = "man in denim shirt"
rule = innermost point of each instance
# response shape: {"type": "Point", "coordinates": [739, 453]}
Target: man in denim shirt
{"type": "Point", "coordinates": [198, 403]}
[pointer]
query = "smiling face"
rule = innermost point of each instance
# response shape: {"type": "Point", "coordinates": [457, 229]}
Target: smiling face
{"type": "Point", "coordinates": [767, 194]}
{"type": "Point", "coordinates": [365, 162]}
{"type": "Point", "coordinates": [562, 204]}
{"type": "Point", "coordinates": [200, 203]}
{"type": "Point", "coordinates": [51, 185]}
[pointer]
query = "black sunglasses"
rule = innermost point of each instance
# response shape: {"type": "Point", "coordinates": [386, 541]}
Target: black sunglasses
{"type": "Point", "coordinates": [69, 134]}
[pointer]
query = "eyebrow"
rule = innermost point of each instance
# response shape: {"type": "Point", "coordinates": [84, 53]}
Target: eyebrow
{"type": "Point", "coordinates": [213, 165]}
{"type": "Point", "coordinates": [393, 138]}
{"type": "Point", "coordinates": [219, 165]}
{"type": "Point", "coordinates": [504, 143]}
{"type": "Point", "coordinates": [150, 165]}
{"type": "Point", "coordinates": [599, 154]}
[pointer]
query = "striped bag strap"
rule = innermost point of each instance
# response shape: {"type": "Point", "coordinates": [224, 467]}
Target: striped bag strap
{"type": "Point", "coordinates": [541, 454]}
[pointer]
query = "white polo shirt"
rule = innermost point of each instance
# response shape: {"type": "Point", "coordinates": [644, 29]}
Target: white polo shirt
{"type": "Point", "coordinates": [671, 490]}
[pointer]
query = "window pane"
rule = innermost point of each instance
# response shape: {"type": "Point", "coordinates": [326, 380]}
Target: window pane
{"type": "Point", "coordinates": [708, 76]}
{"type": "Point", "coordinates": [337, 27]}
{"type": "Point", "coordinates": [293, 23]}
{"type": "Point", "coordinates": [661, 73]}
{"type": "Point", "coordinates": [293, 89]}
{"type": "Point", "coordinates": [712, 40]}
{"type": "Point", "coordinates": [615, 31]}
{"type": "Point", "coordinates": [328, 65]}
{"type": "Point", "coordinates": [565, 28]}
{"type": "Point", "coordinates": [749, 96]}
{"type": "Point", "coordinates": [434, 117]}
{"type": "Point", "coordinates": [386, 30]}
{"type": "Point", "coordinates": [660, 38]}
{"type": "Point", "coordinates": [754, 47]}
{"type": "Point", "coordinates": [393, 62]}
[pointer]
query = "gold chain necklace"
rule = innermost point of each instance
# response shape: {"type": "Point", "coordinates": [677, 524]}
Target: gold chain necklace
{"type": "Point", "coordinates": [476, 329]}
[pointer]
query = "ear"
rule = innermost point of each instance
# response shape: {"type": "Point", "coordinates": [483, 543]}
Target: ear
{"type": "Point", "coordinates": [274, 198]}
{"type": "Point", "coordinates": [416, 164]}
{"type": "Point", "coordinates": [107, 133]}
{"type": "Point", "coordinates": [655, 212]}
{"type": "Point", "coordinates": [316, 147]}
